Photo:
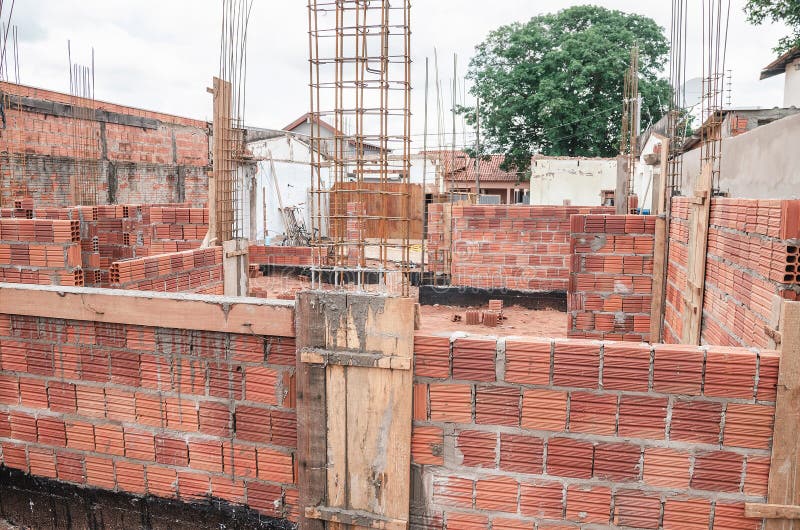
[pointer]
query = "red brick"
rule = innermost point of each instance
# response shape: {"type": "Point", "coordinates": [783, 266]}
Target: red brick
{"type": "Point", "coordinates": [100, 472]}
{"type": "Point", "coordinates": [9, 390]}
{"type": "Point", "coordinates": [23, 426]}
{"type": "Point", "coordinates": [678, 369]}
{"type": "Point", "coordinates": [453, 491]}
{"type": "Point", "coordinates": [730, 373]}
{"type": "Point", "coordinates": [642, 417]}
{"type": "Point", "coordinates": [540, 498]}
{"type": "Point", "coordinates": [264, 498]}
{"type": "Point", "coordinates": [617, 462]}
{"type": "Point", "coordinates": [466, 521]}
{"type": "Point", "coordinates": [206, 456]}
{"type": "Point", "coordinates": [283, 428]}
{"type": "Point", "coordinates": [589, 505]}
{"type": "Point", "coordinates": [171, 451]}
{"type": "Point", "coordinates": [521, 454]}
{"type": "Point", "coordinates": [125, 368]}
{"type": "Point", "coordinates": [478, 448]}
{"type": "Point", "coordinates": [768, 375]}
{"type": "Point", "coordinates": [251, 422]}
{"type": "Point", "coordinates": [215, 419]}
{"type": "Point", "coordinates": [427, 445]}
{"type": "Point", "coordinates": [80, 435]}
{"type": "Point", "coordinates": [61, 397]}
{"type": "Point", "coordinates": [544, 410]}
{"type": "Point", "coordinates": [51, 431]}
{"type": "Point", "coordinates": [748, 426]}
{"type": "Point", "coordinates": [718, 471]}
{"type": "Point", "coordinates": [91, 401]}
{"type": "Point", "coordinates": [275, 466]}
{"type": "Point", "coordinates": [666, 468]}
{"type": "Point", "coordinates": [576, 364]}
{"type": "Point", "coordinates": [420, 402]}
{"type": "Point", "coordinates": [239, 459]}
{"type": "Point", "coordinates": [528, 362]}
{"type": "Point", "coordinates": [69, 467]}
{"type": "Point", "coordinates": [474, 360]}
{"type": "Point", "coordinates": [451, 403]}
{"type": "Point", "coordinates": [14, 456]}
{"type": "Point", "coordinates": [432, 357]}
{"type": "Point", "coordinates": [130, 477]}
{"type": "Point", "coordinates": [730, 516]}
{"type": "Point", "coordinates": [42, 462]}
{"type": "Point", "coordinates": [499, 523]}
{"type": "Point", "coordinates": [569, 458]}
{"type": "Point", "coordinates": [227, 489]}
{"type": "Point", "coordinates": [120, 405]}
{"type": "Point", "coordinates": [161, 481]}
{"type": "Point", "coordinates": [139, 444]}
{"type": "Point", "coordinates": [696, 421]}
{"type": "Point", "coordinates": [757, 475]}
{"type": "Point", "coordinates": [496, 494]}
{"type": "Point", "coordinates": [593, 413]}
{"type": "Point", "coordinates": [626, 367]}
{"type": "Point", "coordinates": [32, 393]}
{"type": "Point", "coordinates": [681, 513]}
{"type": "Point", "coordinates": [260, 385]}
{"type": "Point", "coordinates": [497, 406]}
{"type": "Point", "coordinates": [636, 509]}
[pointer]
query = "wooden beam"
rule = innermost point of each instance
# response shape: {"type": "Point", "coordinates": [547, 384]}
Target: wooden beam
{"type": "Point", "coordinates": [784, 472]}
{"type": "Point", "coordinates": [660, 249]}
{"type": "Point", "coordinates": [362, 359]}
{"type": "Point", "coordinates": [354, 517]}
{"type": "Point", "coordinates": [771, 511]}
{"type": "Point", "coordinates": [164, 310]}
{"type": "Point", "coordinates": [700, 211]}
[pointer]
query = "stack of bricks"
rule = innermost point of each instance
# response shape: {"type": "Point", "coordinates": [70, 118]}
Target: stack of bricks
{"type": "Point", "coordinates": [171, 413]}
{"type": "Point", "coordinates": [751, 266]}
{"type": "Point", "coordinates": [177, 229]}
{"type": "Point", "coordinates": [280, 256]}
{"type": "Point", "coordinates": [571, 434]}
{"type": "Point", "coordinates": [513, 247]}
{"type": "Point", "coordinates": [40, 251]}
{"type": "Point", "coordinates": [611, 277]}
{"type": "Point", "coordinates": [437, 248]}
{"type": "Point", "coordinates": [355, 233]}
{"type": "Point", "coordinates": [191, 271]}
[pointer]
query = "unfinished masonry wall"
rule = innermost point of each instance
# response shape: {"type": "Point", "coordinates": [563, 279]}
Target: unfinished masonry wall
{"type": "Point", "coordinates": [752, 265]}
{"type": "Point", "coordinates": [138, 156]}
{"type": "Point", "coordinates": [611, 277]}
{"type": "Point", "coordinates": [513, 247]}
{"type": "Point", "coordinates": [200, 405]}
{"type": "Point", "coordinates": [568, 434]}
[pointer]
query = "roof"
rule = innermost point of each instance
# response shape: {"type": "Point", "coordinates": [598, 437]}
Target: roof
{"type": "Point", "coordinates": [778, 66]}
{"type": "Point", "coordinates": [308, 117]}
{"type": "Point", "coordinates": [458, 166]}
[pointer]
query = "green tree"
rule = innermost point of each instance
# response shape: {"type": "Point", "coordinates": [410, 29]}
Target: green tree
{"type": "Point", "coordinates": [554, 84]}
{"type": "Point", "coordinates": [786, 11]}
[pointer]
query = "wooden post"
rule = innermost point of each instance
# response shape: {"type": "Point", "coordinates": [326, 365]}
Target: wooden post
{"type": "Point", "coordinates": [235, 267]}
{"type": "Point", "coordinates": [622, 191]}
{"type": "Point", "coordinates": [354, 387]}
{"type": "Point", "coordinates": [782, 510]}
{"type": "Point", "coordinates": [660, 248]}
{"type": "Point", "coordinates": [700, 211]}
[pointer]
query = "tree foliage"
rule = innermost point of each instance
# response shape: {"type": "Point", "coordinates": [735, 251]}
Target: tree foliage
{"type": "Point", "coordinates": [554, 84]}
{"type": "Point", "coordinates": [786, 11]}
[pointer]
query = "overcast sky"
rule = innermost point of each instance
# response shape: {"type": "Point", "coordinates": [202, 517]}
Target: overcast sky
{"type": "Point", "coordinates": [161, 55]}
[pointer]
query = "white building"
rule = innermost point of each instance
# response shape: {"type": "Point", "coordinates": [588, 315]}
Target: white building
{"type": "Point", "coordinates": [788, 64]}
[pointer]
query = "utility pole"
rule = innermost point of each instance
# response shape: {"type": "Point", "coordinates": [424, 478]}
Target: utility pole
{"type": "Point", "coordinates": [478, 148]}
{"type": "Point", "coordinates": [425, 172]}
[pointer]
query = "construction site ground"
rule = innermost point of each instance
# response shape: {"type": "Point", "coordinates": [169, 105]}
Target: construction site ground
{"type": "Point", "coordinates": [438, 318]}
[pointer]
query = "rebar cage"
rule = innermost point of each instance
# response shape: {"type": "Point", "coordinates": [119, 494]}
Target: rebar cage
{"type": "Point", "coordinates": [360, 72]}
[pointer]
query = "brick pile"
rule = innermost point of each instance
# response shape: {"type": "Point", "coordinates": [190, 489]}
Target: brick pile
{"type": "Point", "coordinates": [280, 256]}
{"type": "Point", "coordinates": [165, 412]}
{"type": "Point", "coordinates": [611, 277]}
{"type": "Point", "coordinates": [751, 266]}
{"type": "Point", "coordinates": [513, 247]}
{"type": "Point", "coordinates": [40, 251]}
{"type": "Point", "coordinates": [177, 229]}
{"type": "Point", "coordinates": [577, 434]}
{"type": "Point", "coordinates": [191, 271]}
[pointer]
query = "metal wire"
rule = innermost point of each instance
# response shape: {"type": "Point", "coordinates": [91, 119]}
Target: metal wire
{"type": "Point", "coordinates": [360, 70]}
{"type": "Point", "coordinates": [84, 133]}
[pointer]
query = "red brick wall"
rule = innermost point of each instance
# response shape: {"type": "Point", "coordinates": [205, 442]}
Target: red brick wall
{"type": "Point", "coordinates": [437, 248]}
{"type": "Point", "coordinates": [513, 247]}
{"type": "Point", "coordinates": [191, 271]}
{"type": "Point", "coordinates": [166, 162]}
{"type": "Point", "coordinates": [40, 251]}
{"type": "Point", "coordinates": [611, 277]}
{"type": "Point", "coordinates": [166, 412]}
{"type": "Point", "coordinates": [520, 433]}
{"type": "Point", "coordinates": [280, 256]}
{"type": "Point", "coordinates": [752, 265]}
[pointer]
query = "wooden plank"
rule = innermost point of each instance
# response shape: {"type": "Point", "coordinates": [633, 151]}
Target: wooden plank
{"type": "Point", "coordinates": [337, 442]}
{"type": "Point", "coordinates": [771, 511]}
{"type": "Point", "coordinates": [234, 267]}
{"type": "Point", "coordinates": [311, 393]}
{"type": "Point", "coordinates": [784, 472]}
{"type": "Point", "coordinates": [659, 280]}
{"type": "Point", "coordinates": [357, 518]}
{"type": "Point", "coordinates": [696, 269]}
{"type": "Point", "coordinates": [222, 101]}
{"type": "Point", "coordinates": [374, 206]}
{"type": "Point", "coordinates": [166, 310]}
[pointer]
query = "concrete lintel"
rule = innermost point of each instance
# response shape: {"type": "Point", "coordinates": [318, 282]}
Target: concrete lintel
{"type": "Point", "coordinates": [168, 310]}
